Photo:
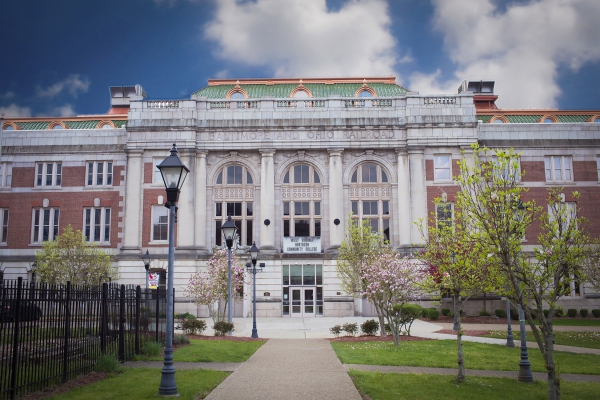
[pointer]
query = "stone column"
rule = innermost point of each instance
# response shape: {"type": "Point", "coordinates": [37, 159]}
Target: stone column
{"type": "Point", "coordinates": [336, 199]}
{"type": "Point", "coordinates": [404, 213]}
{"type": "Point", "coordinates": [133, 202]}
{"type": "Point", "coordinates": [418, 193]}
{"type": "Point", "coordinates": [186, 209]}
{"type": "Point", "coordinates": [200, 201]}
{"type": "Point", "coordinates": [267, 200]}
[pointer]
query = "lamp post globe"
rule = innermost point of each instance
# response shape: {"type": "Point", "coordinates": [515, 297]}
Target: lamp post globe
{"type": "Point", "coordinates": [229, 229]}
{"type": "Point", "coordinates": [173, 173]}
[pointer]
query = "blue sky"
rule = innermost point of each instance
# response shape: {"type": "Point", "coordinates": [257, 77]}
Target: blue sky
{"type": "Point", "coordinates": [59, 57]}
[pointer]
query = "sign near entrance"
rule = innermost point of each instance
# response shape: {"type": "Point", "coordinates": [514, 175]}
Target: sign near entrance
{"type": "Point", "coordinates": [302, 244]}
{"type": "Point", "coordinates": [153, 279]}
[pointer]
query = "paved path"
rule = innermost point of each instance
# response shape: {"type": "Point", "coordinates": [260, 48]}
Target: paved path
{"type": "Point", "coordinates": [289, 369]}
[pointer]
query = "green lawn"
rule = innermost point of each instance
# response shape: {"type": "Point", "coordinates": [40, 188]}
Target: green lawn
{"type": "Point", "coordinates": [380, 386]}
{"type": "Point", "coordinates": [580, 339]}
{"type": "Point", "coordinates": [442, 354]}
{"type": "Point", "coordinates": [566, 321]}
{"type": "Point", "coordinates": [213, 351]}
{"type": "Point", "coordinates": [143, 383]}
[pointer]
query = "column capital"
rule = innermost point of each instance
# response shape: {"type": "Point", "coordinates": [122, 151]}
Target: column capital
{"type": "Point", "coordinates": [187, 151]}
{"type": "Point", "coordinates": [134, 152]}
{"type": "Point", "coordinates": [401, 151]}
{"type": "Point", "coordinates": [416, 149]}
{"type": "Point", "coordinates": [267, 152]}
{"type": "Point", "coordinates": [202, 153]}
{"type": "Point", "coordinates": [335, 151]}
{"type": "Point", "coordinates": [466, 149]}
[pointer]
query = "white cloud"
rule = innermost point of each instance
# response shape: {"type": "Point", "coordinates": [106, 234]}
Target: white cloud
{"type": "Point", "coordinates": [521, 49]}
{"type": "Point", "coordinates": [15, 111]}
{"type": "Point", "coordinates": [303, 38]}
{"type": "Point", "coordinates": [73, 84]}
{"type": "Point", "coordinates": [63, 111]}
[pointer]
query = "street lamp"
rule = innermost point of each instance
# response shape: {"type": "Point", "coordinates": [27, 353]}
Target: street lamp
{"type": "Point", "coordinates": [509, 336]}
{"type": "Point", "coordinates": [525, 374]}
{"type": "Point", "coordinates": [173, 173]}
{"type": "Point", "coordinates": [229, 229]}
{"type": "Point", "coordinates": [147, 260]}
{"type": "Point", "coordinates": [254, 256]}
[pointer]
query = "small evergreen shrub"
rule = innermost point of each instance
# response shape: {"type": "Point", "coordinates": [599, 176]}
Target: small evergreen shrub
{"type": "Point", "coordinates": [596, 313]}
{"type": "Point", "coordinates": [388, 330]}
{"type": "Point", "coordinates": [451, 314]}
{"type": "Point", "coordinates": [445, 312]}
{"type": "Point", "coordinates": [514, 314]}
{"type": "Point", "coordinates": [583, 312]}
{"type": "Point", "coordinates": [571, 312]}
{"type": "Point", "coordinates": [350, 329]}
{"type": "Point", "coordinates": [484, 313]}
{"type": "Point", "coordinates": [433, 314]}
{"type": "Point", "coordinates": [559, 312]}
{"type": "Point", "coordinates": [424, 313]}
{"type": "Point", "coordinates": [180, 340]}
{"type": "Point", "coordinates": [107, 363]}
{"type": "Point", "coordinates": [152, 349]}
{"type": "Point", "coordinates": [369, 327]}
{"type": "Point", "coordinates": [191, 326]}
{"type": "Point", "coordinates": [336, 330]}
{"type": "Point", "coordinates": [222, 328]}
{"type": "Point", "coordinates": [500, 313]}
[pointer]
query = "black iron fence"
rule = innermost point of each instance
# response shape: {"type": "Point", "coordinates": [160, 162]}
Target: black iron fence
{"type": "Point", "coordinates": [52, 333]}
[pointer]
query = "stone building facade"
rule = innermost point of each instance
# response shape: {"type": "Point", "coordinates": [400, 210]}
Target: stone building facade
{"type": "Point", "coordinates": [289, 160]}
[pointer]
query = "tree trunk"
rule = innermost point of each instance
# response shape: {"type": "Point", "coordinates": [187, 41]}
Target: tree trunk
{"type": "Point", "coordinates": [382, 331]}
{"type": "Point", "coordinates": [460, 377]}
{"type": "Point", "coordinates": [553, 378]}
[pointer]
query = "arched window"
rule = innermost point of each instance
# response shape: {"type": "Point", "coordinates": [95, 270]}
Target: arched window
{"type": "Point", "coordinates": [301, 200]}
{"type": "Point", "coordinates": [548, 121]}
{"type": "Point", "coordinates": [300, 94]}
{"type": "Point", "coordinates": [365, 93]}
{"type": "Point", "coordinates": [237, 96]}
{"type": "Point", "coordinates": [234, 195]}
{"type": "Point", "coordinates": [370, 192]}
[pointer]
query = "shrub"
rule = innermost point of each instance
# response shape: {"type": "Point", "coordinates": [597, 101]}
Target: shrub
{"type": "Point", "coordinates": [546, 313]}
{"type": "Point", "coordinates": [559, 312]}
{"type": "Point", "coordinates": [350, 329]}
{"type": "Point", "coordinates": [424, 313]}
{"type": "Point", "coordinates": [583, 312]}
{"type": "Point", "coordinates": [445, 312]}
{"type": "Point", "coordinates": [336, 330]}
{"type": "Point", "coordinates": [596, 313]}
{"type": "Point", "coordinates": [433, 314]}
{"type": "Point", "coordinates": [152, 349]}
{"type": "Point", "coordinates": [107, 363]}
{"type": "Point", "coordinates": [222, 328]}
{"type": "Point", "coordinates": [191, 326]}
{"type": "Point", "coordinates": [369, 327]}
{"type": "Point", "coordinates": [500, 313]}
{"type": "Point", "coordinates": [180, 340]}
{"type": "Point", "coordinates": [571, 312]}
{"type": "Point", "coordinates": [387, 329]}
{"type": "Point", "coordinates": [484, 313]}
{"type": "Point", "coordinates": [514, 314]}
{"type": "Point", "coordinates": [409, 313]}
{"type": "Point", "coordinates": [185, 315]}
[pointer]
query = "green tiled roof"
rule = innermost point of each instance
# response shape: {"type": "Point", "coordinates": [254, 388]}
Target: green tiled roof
{"type": "Point", "coordinates": [255, 91]}
{"type": "Point", "coordinates": [573, 118]}
{"type": "Point", "coordinates": [33, 125]}
{"type": "Point", "coordinates": [92, 124]}
{"type": "Point", "coordinates": [119, 123]}
{"type": "Point", "coordinates": [523, 119]}
{"type": "Point", "coordinates": [484, 118]}
{"type": "Point", "coordinates": [82, 124]}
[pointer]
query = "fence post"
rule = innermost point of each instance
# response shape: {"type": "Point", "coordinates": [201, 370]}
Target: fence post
{"type": "Point", "coordinates": [15, 349]}
{"type": "Point", "coordinates": [138, 295]}
{"type": "Point", "coordinates": [157, 311]}
{"type": "Point", "coordinates": [122, 319]}
{"type": "Point", "coordinates": [103, 317]}
{"type": "Point", "coordinates": [67, 331]}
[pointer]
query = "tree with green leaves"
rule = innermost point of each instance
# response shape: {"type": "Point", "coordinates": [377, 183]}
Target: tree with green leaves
{"type": "Point", "coordinates": [451, 257]}
{"type": "Point", "coordinates": [69, 257]}
{"type": "Point", "coordinates": [360, 248]}
{"type": "Point", "coordinates": [494, 202]}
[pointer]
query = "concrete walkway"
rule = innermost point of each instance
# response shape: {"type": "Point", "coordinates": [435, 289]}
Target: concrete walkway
{"type": "Point", "coordinates": [289, 369]}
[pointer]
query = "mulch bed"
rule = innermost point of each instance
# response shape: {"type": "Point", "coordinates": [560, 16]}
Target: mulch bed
{"type": "Point", "coordinates": [465, 332]}
{"type": "Point", "coordinates": [80, 381]}
{"type": "Point", "coordinates": [388, 338]}
{"type": "Point", "coordinates": [470, 320]}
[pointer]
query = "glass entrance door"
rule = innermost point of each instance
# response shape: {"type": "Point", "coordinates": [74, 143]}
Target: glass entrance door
{"type": "Point", "coordinates": [303, 302]}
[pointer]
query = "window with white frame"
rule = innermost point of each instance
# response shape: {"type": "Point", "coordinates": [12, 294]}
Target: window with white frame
{"type": "Point", "coordinates": [99, 173]}
{"type": "Point", "coordinates": [5, 174]}
{"type": "Point", "coordinates": [301, 201]}
{"type": "Point", "coordinates": [48, 174]}
{"type": "Point", "coordinates": [44, 225]}
{"type": "Point", "coordinates": [442, 169]}
{"type": "Point", "coordinates": [157, 176]}
{"type": "Point", "coordinates": [3, 224]}
{"type": "Point", "coordinates": [234, 195]}
{"type": "Point", "coordinates": [370, 197]}
{"type": "Point", "coordinates": [567, 212]}
{"type": "Point", "coordinates": [160, 223]}
{"type": "Point", "coordinates": [96, 223]}
{"type": "Point", "coordinates": [444, 213]}
{"type": "Point", "coordinates": [558, 168]}
{"type": "Point", "coordinates": [511, 168]}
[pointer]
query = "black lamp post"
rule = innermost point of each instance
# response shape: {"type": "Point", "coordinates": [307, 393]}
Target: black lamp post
{"type": "Point", "coordinates": [147, 260]}
{"type": "Point", "coordinates": [254, 256]}
{"type": "Point", "coordinates": [173, 172]}
{"type": "Point", "coordinates": [509, 336]}
{"type": "Point", "coordinates": [229, 229]}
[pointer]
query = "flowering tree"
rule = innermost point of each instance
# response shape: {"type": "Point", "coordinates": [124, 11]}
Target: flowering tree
{"type": "Point", "coordinates": [210, 288]}
{"type": "Point", "coordinates": [391, 281]}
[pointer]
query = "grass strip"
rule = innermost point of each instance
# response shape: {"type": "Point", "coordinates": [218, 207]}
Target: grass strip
{"type": "Point", "coordinates": [143, 383]}
{"type": "Point", "coordinates": [566, 321]}
{"type": "Point", "coordinates": [212, 351]}
{"type": "Point", "coordinates": [380, 386]}
{"type": "Point", "coordinates": [589, 340]}
{"type": "Point", "coordinates": [442, 354]}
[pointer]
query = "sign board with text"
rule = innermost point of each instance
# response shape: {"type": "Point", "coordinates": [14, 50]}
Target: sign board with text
{"type": "Point", "coordinates": [301, 244]}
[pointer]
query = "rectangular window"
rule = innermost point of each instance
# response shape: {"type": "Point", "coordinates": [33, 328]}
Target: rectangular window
{"type": "Point", "coordinates": [44, 224]}
{"type": "Point", "coordinates": [558, 168]}
{"type": "Point", "coordinates": [3, 224]}
{"type": "Point", "coordinates": [5, 174]}
{"type": "Point", "coordinates": [96, 223]}
{"type": "Point", "coordinates": [598, 166]}
{"type": "Point", "coordinates": [441, 168]}
{"type": "Point", "coordinates": [355, 208]}
{"type": "Point", "coordinates": [242, 216]}
{"type": "Point", "coordinates": [99, 173]}
{"type": "Point", "coordinates": [510, 170]}
{"type": "Point", "coordinates": [370, 208]}
{"type": "Point", "coordinates": [301, 208]}
{"type": "Point", "coordinates": [570, 213]}
{"type": "Point", "coordinates": [160, 223]}
{"type": "Point", "coordinates": [48, 174]}
{"type": "Point", "coordinates": [444, 215]}
{"type": "Point", "coordinates": [157, 176]}
{"type": "Point", "coordinates": [234, 209]}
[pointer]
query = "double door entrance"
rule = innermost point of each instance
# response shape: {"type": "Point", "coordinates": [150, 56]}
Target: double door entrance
{"type": "Point", "coordinates": [303, 302]}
